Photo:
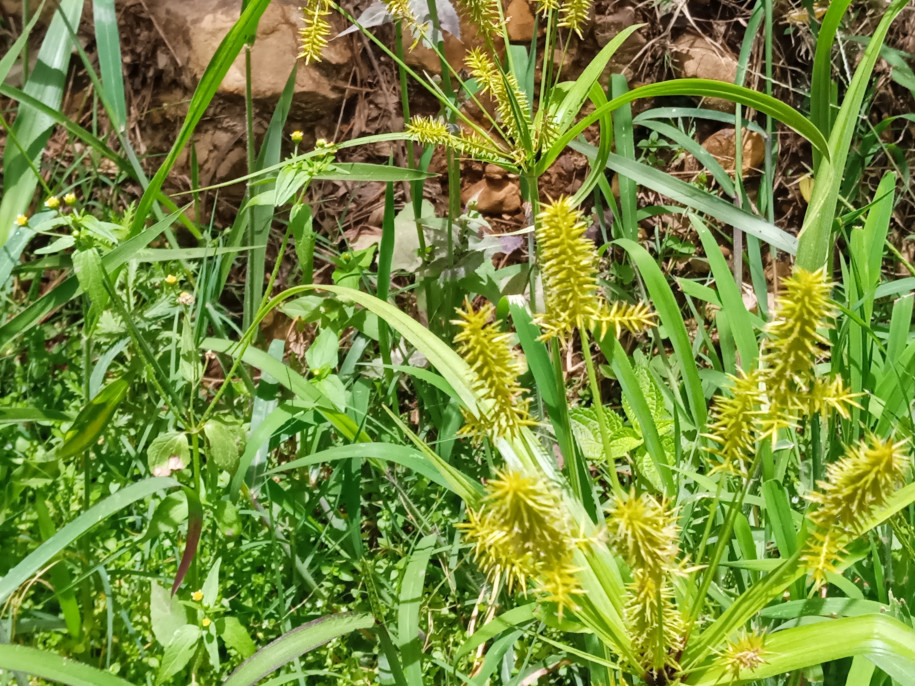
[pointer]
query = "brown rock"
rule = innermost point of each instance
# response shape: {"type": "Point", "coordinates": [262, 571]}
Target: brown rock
{"type": "Point", "coordinates": [605, 27]}
{"type": "Point", "coordinates": [723, 146]}
{"type": "Point", "coordinates": [520, 21]}
{"type": "Point", "coordinates": [494, 196]}
{"type": "Point", "coordinates": [697, 57]}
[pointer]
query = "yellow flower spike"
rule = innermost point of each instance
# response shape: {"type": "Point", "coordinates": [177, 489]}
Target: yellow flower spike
{"type": "Point", "coordinates": [655, 624]}
{"type": "Point", "coordinates": [634, 318]}
{"type": "Point", "coordinates": [498, 84]}
{"type": "Point", "coordinates": [745, 653]}
{"type": "Point", "coordinates": [22, 220]}
{"type": "Point", "coordinates": [488, 351]}
{"type": "Point", "coordinates": [855, 486]}
{"type": "Point", "coordinates": [644, 531]}
{"type": "Point", "coordinates": [521, 531]}
{"type": "Point", "coordinates": [568, 264]}
{"type": "Point", "coordinates": [734, 424]}
{"type": "Point", "coordinates": [52, 203]}
{"type": "Point", "coordinates": [429, 131]}
{"type": "Point", "coordinates": [484, 14]}
{"type": "Point", "coordinates": [314, 35]}
{"type": "Point", "coordinates": [574, 14]}
{"type": "Point", "coordinates": [197, 596]}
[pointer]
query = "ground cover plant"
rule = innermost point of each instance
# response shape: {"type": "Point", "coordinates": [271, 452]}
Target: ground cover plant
{"type": "Point", "coordinates": [541, 456]}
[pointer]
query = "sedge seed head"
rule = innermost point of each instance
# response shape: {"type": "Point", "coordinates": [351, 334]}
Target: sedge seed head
{"type": "Point", "coordinates": [314, 35]}
{"type": "Point", "coordinates": [568, 263]}
{"type": "Point", "coordinates": [644, 531]}
{"type": "Point", "coordinates": [483, 14]}
{"type": "Point", "coordinates": [574, 14]}
{"type": "Point", "coordinates": [633, 318]}
{"type": "Point", "coordinates": [854, 487]}
{"type": "Point", "coordinates": [488, 351]}
{"type": "Point", "coordinates": [429, 131]}
{"type": "Point", "coordinates": [734, 424]}
{"type": "Point", "coordinates": [745, 653]}
{"type": "Point", "coordinates": [521, 531]}
{"type": "Point", "coordinates": [655, 624]}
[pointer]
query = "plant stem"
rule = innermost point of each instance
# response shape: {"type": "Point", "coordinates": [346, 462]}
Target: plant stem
{"type": "Point", "coordinates": [598, 406]}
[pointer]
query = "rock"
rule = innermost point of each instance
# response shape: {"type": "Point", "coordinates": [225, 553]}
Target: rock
{"type": "Point", "coordinates": [605, 27]}
{"type": "Point", "coordinates": [500, 195]}
{"type": "Point", "coordinates": [194, 31]}
{"type": "Point", "coordinates": [723, 146]}
{"type": "Point", "coordinates": [697, 57]}
{"type": "Point", "coordinates": [520, 21]}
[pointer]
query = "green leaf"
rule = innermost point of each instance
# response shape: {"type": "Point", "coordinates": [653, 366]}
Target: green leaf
{"type": "Point", "coordinates": [167, 614]}
{"type": "Point", "coordinates": [297, 642]}
{"type": "Point", "coordinates": [108, 45]}
{"type": "Point", "coordinates": [210, 586]}
{"type": "Point", "coordinates": [17, 415]}
{"type": "Point", "coordinates": [235, 636]}
{"type": "Point", "coordinates": [45, 665]}
{"type": "Point", "coordinates": [72, 531]}
{"type": "Point", "coordinates": [361, 171]}
{"type": "Point", "coordinates": [168, 453]}
{"type": "Point", "coordinates": [223, 449]}
{"type": "Point", "coordinates": [227, 519]}
{"type": "Point", "coordinates": [93, 419]}
{"type": "Point", "coordinates": [178, 652]}
{"type": "Point", "coordinates": [169, 515]}
{"type": "Point", "coordinates": [322, 353]}
{"type": "Point", "coordinates": [408, 607]}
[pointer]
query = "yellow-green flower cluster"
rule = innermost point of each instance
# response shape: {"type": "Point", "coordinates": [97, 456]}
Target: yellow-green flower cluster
{"type": "Point", "coordinates": [568, 263]}
{"type": "Point", "coordinates": [430, 131]}
{"type": "Point", "coordinates": [784, 388]}
{"type": "Point", "coordinates": [503, 407]}
{"type": "Point", "coordinates": [513, 110]}
{"type": "Point", "coordinates": [314, 35]}
{"type": "Point", "coordinates": [522, 531]}
{"type": "Point", "coordinates": [855, 486]}
{"type": "Point", "coordinates": [644, 532]}
{"type": "Point", "coordinates": [485, 15]}
{"type": "Point", "coordinates": [745, 653]}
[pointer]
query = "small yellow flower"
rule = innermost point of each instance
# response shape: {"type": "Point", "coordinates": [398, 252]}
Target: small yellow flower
{"type": "Point", "coordinates": [745, 653]}
{"type": "Point", "coordinates": [171, 279]}
{"type": "Point", "coordinates": [22, 220]}
{"type": "Point", "coordinates": [205, 622]}
{"type": "Point", "coordinates": [52, 203]}
{"type": "Point", "coordinates": [186, 299]}
{"type": "Point", "coordinates": [70, 198]}
{"type": "Point", "coordinates": [297, 136]}
{"type": "Point", "coordinates": [197, 596]}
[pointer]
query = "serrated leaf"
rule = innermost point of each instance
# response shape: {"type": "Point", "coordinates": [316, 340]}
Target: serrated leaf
{"type": "Point", "coordinates": [235, 636]}
{"type": "Point", "coordinates": [168, 453]}
{"type": "Point", "coordinates": [586, 429]}
{"type": "Point", "coordinates": [178, 652]}
{"type": "Point", "coordinates": [166, 613]}
{"type": "Point", "coordinates": [222, 446]}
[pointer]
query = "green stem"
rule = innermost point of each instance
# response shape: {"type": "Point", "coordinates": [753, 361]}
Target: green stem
{"type": "Point", "coordinates": [598, 406]}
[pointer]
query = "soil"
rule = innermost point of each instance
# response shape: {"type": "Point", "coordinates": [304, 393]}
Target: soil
{"type": "Point", "coordinates": [354, 92]}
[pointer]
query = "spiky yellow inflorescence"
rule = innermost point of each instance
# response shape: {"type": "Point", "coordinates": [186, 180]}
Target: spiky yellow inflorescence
{"type": "Point", "coordinates": [734, 424]}
{"type": "Point", "coordinates": [522, 531]}
{"type": "Point", "coordinates": [430, 131]}
{"type": "Point", "coordinates": [511, 102]}
{"type": "Point", "coordinates": [314, 35]}
{"type": "Point", "coordinates": [744, 653]}
{"type": "Point", "coordinates": [784, 388]}
{"type": "Point", "coordinates": [503, 407]}
{"type": "Point", "coordinates": [568, 263]}
{"type": "Point", "coordinates": [644, 532]}
{"type": "Point", "coordinates": [854, 487]}
{"type": "Point", "coordinates": [634, 318]}
{"type": "Point", "coordinates": [574, 14]}
{"type": "Point", "coordinates": [484, 15]}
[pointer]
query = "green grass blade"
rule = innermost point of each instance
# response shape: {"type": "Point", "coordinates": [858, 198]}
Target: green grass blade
{"type": "Point", "coordinates": [885, 641]}
{"type": "Point", "coordinates": [45, 665]}
{"type": "Point", "coordinates": [408, 606]}
{"type": "Point", "coordinates": [821, 83]}
{"type": "Point", "coordinates": [108, 44]}
{"type": "Point", "coordinates": [789, 116]}
{"type": "Point", "coordinates": [297, 642]}
{"type": "Point", "coordinates": [12, 54]}
{"type": "Point", "coordinates": [698, 199]}
{"type": "Point", "coordinates": [816, 237]}
{"type": "Point", "coordinates": [662, 298]}
{"type": "Point", "coordinates": [209, 84]}
{"type": "Point", "coordinates": [31, 130]}
{"type": "Point", "coordinates": [32, 564]}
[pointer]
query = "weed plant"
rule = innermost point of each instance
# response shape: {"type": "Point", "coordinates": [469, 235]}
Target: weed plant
{"type": "Point", "coordinates": [558, 472]}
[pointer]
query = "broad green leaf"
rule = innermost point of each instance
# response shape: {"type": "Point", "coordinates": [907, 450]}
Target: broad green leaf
{"type": "Point", "coordinates": [72, 531]}
{"type": "Point", "coordinates": [223, 448]}
{"type": "Point", "coordinates": [235, 636]}
{"type": "Point", "coordinates": [46, 665]}
{"type": "Point", "coordinates": [168, 452]}
{"type": "Point", "coordinates": [167, 614]}
{"type": "Point", "coordinates": [178, 652]}
{"type": "Point", "coordinates": [322, 353]}
{"type": "Point", "coordinates": [297, 642]}
{"type": "Point", "coordinates": [93, 419]}
{"type": "Point", "coordinates": [210, 586]}
{"type": "Point", "coordinates": [408, 608]}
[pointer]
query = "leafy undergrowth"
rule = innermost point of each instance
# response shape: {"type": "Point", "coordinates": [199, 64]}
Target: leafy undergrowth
{"type": "Point", "coordinates": [471, 457]}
